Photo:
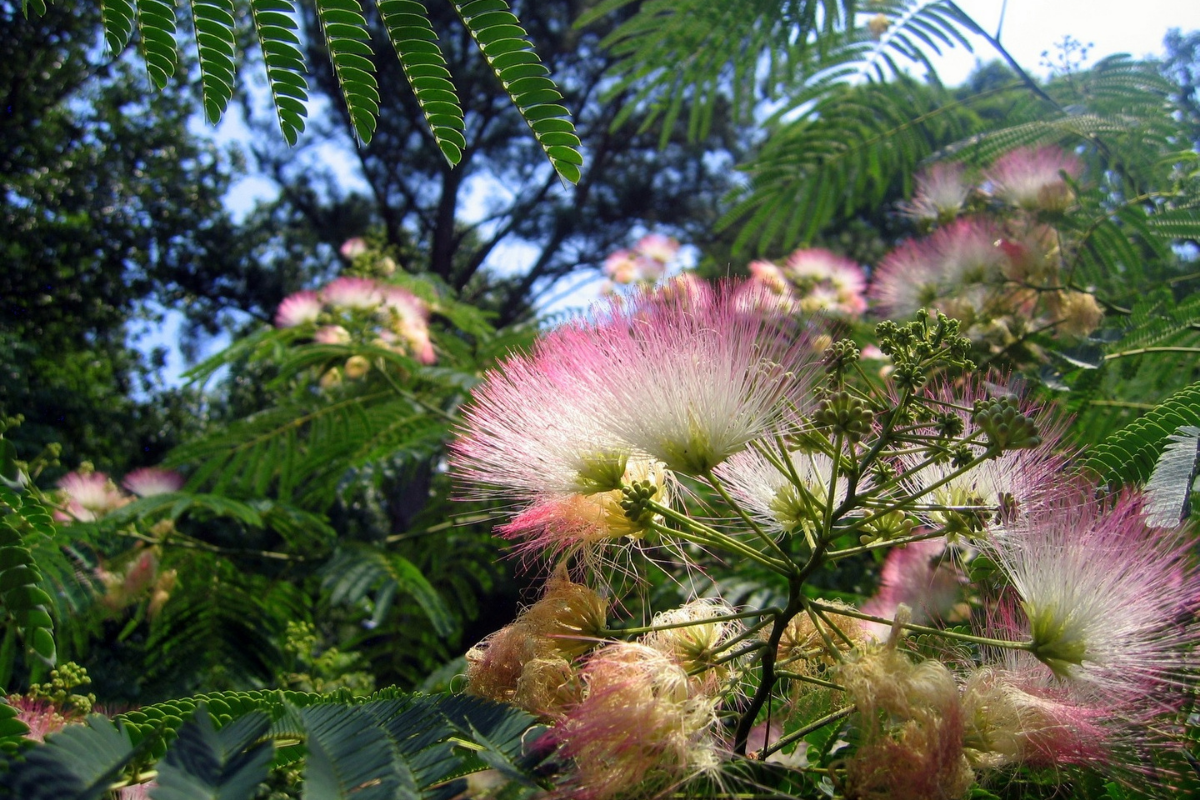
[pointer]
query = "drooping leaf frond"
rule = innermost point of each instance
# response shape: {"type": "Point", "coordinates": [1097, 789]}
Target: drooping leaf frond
{"type": "Point", "coordinates": [346, 32]}
{"type": "Point", "coordinates": [356, 570]}
{"type": "Point", "coordinates": [848, 150]}
{"type": "Point", "coordinates": [1169, 490]}
{"type": "Point", "coordinates": [275, 24]}
{"type": "Point", "coordinates": [415, 42]}
{"type": "Point", "coordinates": [499, 34]}
{"type": "Point", "coordinates": [156, 26]}
{"type": "Point", "coordinates": [215, 43]}
{"type": "Point", "coordinates": [348, 43]}
{"type": "Point", "coordinates": [23, 600]}
{"type": "Point", "coordinates": [118, 17]}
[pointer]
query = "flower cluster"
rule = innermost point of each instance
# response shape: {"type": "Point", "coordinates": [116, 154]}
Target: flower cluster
{"type": "Point", "coordinates": [694, 423]}
{"type": "Point", "coordinates": [644, 264]}
{"type": "Point", "coordinates": [814, 280]}
{"type": "Point", "coordinates": [992, 259]}
{"type": "Point", "coordinates": [354, 309]}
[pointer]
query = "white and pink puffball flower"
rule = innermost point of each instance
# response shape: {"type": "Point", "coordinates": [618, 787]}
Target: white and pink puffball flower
{"type": "Point", "coordinates": [88, 496]}
{"type": "Point", "coordinates": [1018, 713]}
{"type": "Point", "coordinates": [353, 248]}
{"type": "Point", "coordinates": [940, 194]}
{"type": "Point", "coordinates": [641, 723]}
{"type": "Point", "coordinates": [530, 432]}
{"type": "Point", "coordinates": [352, 293]}
{"type": "Point", "coordinates": [906, 280]}
{"type": "Point", "coordinates": [771, 496]}
{"type": "Point", "coordinates": [621, 267]}
{"type": "Point", "coordinates": [828, 282]}
{"type": "Point", "coordinates": [151, 481]}
{"type": "Point", "coordinates": [921, 575]}
{"type": "Point", "coordinates": [1110, 602]}
{"type": "Point", "coordinates": [332, 334]}
{"type": "Point", "coordinates": [692, 380]}
{"type": "Point", "coordinates": [658, 248]}
{"type": "Point", "coordinates": [998, 490]}
{"type": "Point", "coordinates": [408, 317]}
{"type": "Point", "coordinates": [1032, 178]}
{"type": "Point", "coordinates": [298, 309]}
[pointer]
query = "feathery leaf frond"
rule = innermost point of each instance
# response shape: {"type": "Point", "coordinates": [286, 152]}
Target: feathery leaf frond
{"type": "Point", "coordinates": [275, 25]}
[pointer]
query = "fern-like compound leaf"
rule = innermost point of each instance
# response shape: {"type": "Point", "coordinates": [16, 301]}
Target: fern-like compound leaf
{"type": "Point", "coordinates": [156, 25]}
{"type": "Point", "coordinates": [1169, 490]}
{"type": "Point", "coordinates": [1129, 455]}
{"type": "Point", "coordinates": [347, 759]}
{"type": "Point", "coordinates": [77, 763]}
{"type": "Point", "coordinates": [501, 38]}
{"type": "Point", "coordinates": [415, 42]}
{"type": "Point", "coordinates": [275, 24]}
{"type": "Point", "coordinates": [118, 16]}
{"type": "Point", "coordinates": [348, 42]}
{"type": "Point", "coordinates": [206, 764]}
{"type": "Point", "coordinates": [214, 23]}
{"type": "Point", "coordinates": [22, 519]}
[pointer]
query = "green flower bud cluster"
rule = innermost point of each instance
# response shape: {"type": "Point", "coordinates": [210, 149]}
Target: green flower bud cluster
{"type": "Point", "coordinates": [839, 356]}
{"type": "Point", "coordinates": [1006, 427]}
{"type": "Point", "coordinates": [634, 501]}
{"type": "Point", "coordinates": [845, 414]}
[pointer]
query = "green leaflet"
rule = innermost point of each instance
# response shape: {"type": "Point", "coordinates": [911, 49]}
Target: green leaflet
{"type": "Point", "coordinates": [275, 24]}
{"type": "Point", "coordinates": [499, 35]}
{"type": "Point", "coordinates": [214, 24]}
{"type": "Point", "coordinates": [414, 40]}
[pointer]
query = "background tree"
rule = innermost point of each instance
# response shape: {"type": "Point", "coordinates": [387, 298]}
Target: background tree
{"type": "Point", "coordinates": [419, 203]}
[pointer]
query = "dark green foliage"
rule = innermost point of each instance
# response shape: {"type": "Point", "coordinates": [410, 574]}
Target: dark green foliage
{"type": "Point", "coordinates": [415, 41]}
{"type": "Point", "coordinates": [219, 746]}
{"type": "Point", "coordinates": [206, 764]}
{"type": "Point", "coordinates": [502, 40]}
{"type": "Point", "coordinates": [80, 763]}
{"type": "Point", "coordinates": [24, 525]}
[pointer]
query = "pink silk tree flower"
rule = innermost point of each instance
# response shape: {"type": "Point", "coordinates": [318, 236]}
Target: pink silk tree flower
{"type": "Point", "coordinates": [906, 280]}
{"type": "Point", "coordinates": [346, 292]}
{"type": "Point", "coordinates": [641, 726]}
{"type": "Point", "coordinates": [88, 496]}
{"type": "Point", "coordinates": [995, 491]}
{"type": "Point", "coordinates": [149, 481]}
{"type": "Point", "coordinates": [408, 317]}
{"type": "Point", "coordinates": [657, 247]}
{"type": "Point", "coordinates": [1018, 713]}
{"type": "Point", "coordinates": [921, 575]}
{"type": "Point", "coordinates": [297, 309]}
{"type": "Point", "coordinates": [530, 432]}
{"type": "Point", "coordinates": [692, 380]}
{"type": "Point", "coordinates": [1110, 601]}
{"type": "Point", "coordinates": [1032, 178]}
{"type": "Point", "coordinates": [771, 497]}
{"type": "Point", "coordinates": [940, 194]}
{"type": "Point", "coordinates": [826, 281]}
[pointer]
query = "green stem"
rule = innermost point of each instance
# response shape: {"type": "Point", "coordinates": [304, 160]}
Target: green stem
{"type": "Point", "coordinates": [867, 548]}
{"type": "Point", "coordinates": [965, 637]}
{"type": "Point", "coordinates": [796, 676]}
{"type": "Point", "coordinates": [754, 526]}
{"type": "Point", "coordinates": [816, 724]}
{"type": "Point", "coordinates": [672, 625]}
